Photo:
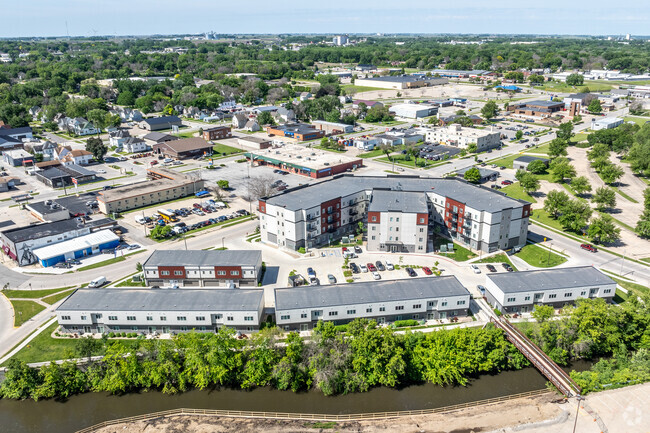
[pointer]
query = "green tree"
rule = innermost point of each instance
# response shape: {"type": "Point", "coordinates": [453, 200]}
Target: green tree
{"type": "Point", "coordinates": [537, 167]}
{"type": "Point", "coordinates": [529, 182]}
{"type": "Point", "coordinates": [580, 185]}
{"type": "Point", "coordinates": [20, 380]}
{"type": "Point", "coordinates": [575, 215]}
{"type": "Point", "coordinates": [472, 175]}
{"type": "Point", "coordinates": [518, 135]}
{"type": "Point", "coordinates": [536, 79]}
{"type": "Point", "coordinates": [643, 225]}
{"type": "Point", "coordinates": [160, 232]}
{"type": "Point", "coordinates": [611, 173]}
{"type": "Point", "coordinates": [565, 132]}
{"type": "Point", "coordinates": [472, 147]}
{"type": "Point", "coordinates": [563, 170]}
{"type": "Point", "coordinates": [639, 154]}
{"type": "Point", "coordinates": [555, 202]}
{"type": "Point", "coordinates": [98, 118]}
{"type": "Point", "coordinates": [126, 98]}
{"type": "Point", "coordinates": [557, 147]}
{"type": "Point", "coordinates": [605, 198]}
{"type": "Point", "coordinates": [595, 106]}
{"type": "Point", "coordinates": [265, 118]}
{"type": "Point", "coordinates": [223, 184]}
{"type": "Point", "coordinates": [291, 371]}
{"type": "Point", "coordinates": [599, 163]}
{"type": "Point", "coordinates": [599, 150]}
{"type": "Point", "coordinates": [433, 121]}
{"type": "Point", "coordinates": [542, 313]}
{"type": "Point", "coordinates": [97, 148]}
{"type": "Point", "coordinates": [87, 346]}
{"type": "Point", "coordinates": [602, 229]}
{"type": "Point", "coordinates": [575, 80]}
{"type": "Point", "coordinates": [490, 110]}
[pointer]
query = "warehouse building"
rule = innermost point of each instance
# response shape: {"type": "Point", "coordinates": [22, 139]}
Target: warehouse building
{"type": "Point", "coordinates": [160, 311]}
{"type": "Point", "coordinates": [300, 308]}
{"type": "Point", "coordinates": [165, 185]}
{"type": "Point", "coordinates": [332, 128]}
{"type": "Point", "coordinates": [79, 247]}
{"type": "Point", "coordinates": [541, 109]}
{"type": "Point", "coordinates": [297, 131]}
{"type": "Point", "coordinates": [521, 162]}
{"type": "Point", "coordinates": [183, 148]}
{"type": "Point", "coordinates": [519, 292]}
{"type": "Point", "coordinates": [17, 157]}
{"type": "Point", "coordinates": [65, 175]}
{"type": "Point", "coordinates": [159, 123]}
{"type": "Point", "coordinates": [413, 111]}
{"type": "Point", "coordinates": [401, 82]}
{"type": "Point", "coordinates": [606, 123]}
{"type": "Point", "coordinates": [198, 268]}
{"type": "Point", "coordinates": [256, 142]}
{"type": "Point", "coordinates": [63, 208]}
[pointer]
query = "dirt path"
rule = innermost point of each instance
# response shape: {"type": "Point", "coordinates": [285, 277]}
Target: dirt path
{"type": "Point", "coordinates": [578, 157]}
{"type": "Point", "coordinates": [629, 183]}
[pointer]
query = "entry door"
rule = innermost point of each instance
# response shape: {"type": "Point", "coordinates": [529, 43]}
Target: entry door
{"type": "Point", "coordinates": [100, 329]}
{"type": "Point", "coordinates": [381, 320]}
{"type": "Point", "coordinates": [152, 329]}
{"type": "Point", "coordinates": [304, 327]}
{"type": "Point", "coordinates": [431, 316]}
{"type": "Point", "coordinates": [165, 329]}
{"type": "Point", "coordinates": [443, 314]}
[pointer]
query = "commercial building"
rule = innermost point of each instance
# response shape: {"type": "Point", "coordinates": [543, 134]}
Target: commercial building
{"type": "Point", "coordinates": [57, 177]}
{"type": "Point", "coordinates": [356, 104]}
{"type": "Point", "coordinates": [520, 292]}
{"type": "Point", "coordinates": [521, 162]}
{"type": "Point", "coordinates": [332, 128]}
{"type": "Point", "coordinates": [316, 214]}
{"type": "Point", "coordinates": [485, 174]}
{"type": "Point", "coordinates": [606, 123]}
{"type": "Point", "coordinates": [448, 120]}
{"type": "Point", "coordinates": [158, 123]}
{"type": "Point", "coordinates": [297, 131]}
{"type": "Point", "coordinates": [17, 157]}
{"type": "Point", "coordinates": [256, 142]}
{"type": "Point", "coordinates": [158, 137]}
{"type": "Point", "coordinates": [19, 243]}
{"type": "Point", "coordinates": [79, 247]}
{"type": "Point", "coordinates": [581, 98]}
{"type": "Point", "coordinates": [183, 148]}
{"type": "Point", "coordinates": [459, 136]}
{"type": "Point", "coordinates": [160, 311]}
{"type": "Point", "coordinates": [340, 40]}
{"type": "Point", "coordinates": [217, 133]}
{"type": "Point", "coordinates": [16, 133]}
{"type": "Point", "coordinates": [198, 268]}
{"type": "Point", "coordinates": [164, 185]}
{"type": "Point", "coordinates": [413, 111]}
{"type": "Point", "coordinates": [541, 109]}
{"type": "Point", "coordinates": [400, 82]}
{"type": "Point", "coordinates": [396, 137]}
{"type": "Point", "coordinates": [301, 308]}
{"type": "Point", "coordinates": [308, 162]}
{"type": "Point", "coordinates": [63, 208]}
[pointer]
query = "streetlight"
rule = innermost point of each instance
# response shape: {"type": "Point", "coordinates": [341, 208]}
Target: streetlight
{"type": "Point", "coordinates": [222, 244]}
{"type": "Point", "coordinates": [549, 254]}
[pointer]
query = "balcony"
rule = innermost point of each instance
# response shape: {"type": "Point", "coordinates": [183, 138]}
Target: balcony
{"type": "Point", "coordinates": [353, 212]}
{"type": "Point", "coordinates": [311, 217]}
{"type": "Point", "coordinates": [330, 211]}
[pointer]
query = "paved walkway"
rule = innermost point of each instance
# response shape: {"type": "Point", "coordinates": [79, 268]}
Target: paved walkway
{"type": "Point", "coordinates": [27, 340]}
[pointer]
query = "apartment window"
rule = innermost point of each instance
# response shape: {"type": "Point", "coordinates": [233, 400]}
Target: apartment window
{"type": "Point", "coordinates": [373, 238]}
{"type": "Point", "coordinates": [568, 294]}
{"type": "Point", "coordinates": [417, 306]}
{"type": "Point", "coordinates": [134, 328]}
{"type": "Point", "coordinates": [183, 328]}
{"type": "Point", "coordinates": [303, 315]}
{"type": "Point", "coordinates": [382, 309]}
{"type": "Point", "coordinates": [234, 272]}
{"type": "Point", "coordinates": [221, 272]}
{"type": "Point", "coordinates": [607, 291]}
{"type": "Point", "coordinates": [181, 318]}
{"type": "Point", "coordinates": [460, 303]}
{"type": "Point", "coordinates": [399, 307]}
{"type": "Point", "coordinates": [527, 298]}
{"type": "Point", "coordinates": [416, 316]}
{"type": "Point", "coordinates": [420, 239]}
{"type": "Point", "coordinates": [164, 273]}
{"type": "Point", "coordinates": [179, 273]}
{"type": "Point", "coordinates": [553, 296]}
{"type": "Point", "coordinates": [421, 221]}
{"type": "Point", "coordinates": [396, 238]}
{"type": "Point", "coordinates": [163, 318]}
{"type": "Point", "coordinates": [200, 318]}
{"type": "Point", "coordinates": [374, 228]}
{"type": "Point", "coordinates": [391, 219]}
{"type": "Point", "coordinates": [83, 317]}
{"type": "Point", "coordinates": [149, 318]}
{"type": "Point", "coordinates": [230, 318]}
{"type": "Point", "coordinates": [421, 229]}
{"type": "Point", "coordinates": [111, 317]}
{"type": "Point", "coordinates": [432, 303]}
{"type": "Point", "coordinates": [593, 291]}
{"type": "Point", "coordinates": [368, 310]}
{"type": "Point", "coordinates": [374, 219]}
{"type": "Point", "coordinates": [68, 318]}
{"type": "Point", "coordinates": [397, 219]}
{"type": "Point", "coordinates": [583, 293]}
{"type": "Point", "coordinates": [352, 311]}
{"type": "Point", "coordinates": [333, 313]}
{"type": "Point", "coordinates": [317, 313]}
{"type": "Point", "coordinates": [131, 318]}
{"type": "Point", "coordinates": [98, 316]}
{"type": "Point", "coordinates": [248, 318]}
{"type": "Point", "coordinates": [443, 304]}
{"type": "Point", "coordinates": [396, 229]}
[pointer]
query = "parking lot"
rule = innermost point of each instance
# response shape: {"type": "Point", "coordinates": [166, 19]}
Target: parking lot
{"type": "Point", "coordinates": [435, 152]}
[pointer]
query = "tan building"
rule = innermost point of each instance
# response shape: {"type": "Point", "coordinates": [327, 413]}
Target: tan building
{"type": "Point", "coordinates": [164, 185]}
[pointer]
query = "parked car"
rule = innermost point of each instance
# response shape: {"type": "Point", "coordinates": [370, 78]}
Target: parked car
{"type": "Point", "coordinates": [357, 249]}
{"type": "Point", "coordinates": [363, 268]}
{"type": "Point", "coordinates": [589, 248]}
{"type": "Point", "coordinates": [506, 182]}
{"type": "Point", "coordinates": [380, 265]}
{"type": "Point", "coordinates": [371, 267]}
{"type": "Point", "coordinates": [495, 186]}
{"type": "Point", "coordinates": [331, 278]}
{"type": "Point", "coordinates": [481, 289]}
{"type": "Point", "coordinates": [354, 268]}
{"type": "Point", "coordinates": [507, 267]}
{"type": "Point", "coordinates": [376, 275]}
{"type": "Point", "coordinates": [134, 246]}
{"type": "Point", "coordinates": [311, 272]}
{"type": "Point", "coordinates": [411, 272]}
{"type": "Point", "coordinates": [427, 271]}
{"type": "Point", "coordinates": [475, 269]}
{"type": "Point", "coordinates": [491, 268]}
{"type": "Point", "coordinates": [389, 265]}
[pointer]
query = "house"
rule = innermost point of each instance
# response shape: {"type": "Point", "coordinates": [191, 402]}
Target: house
{"type": "Point", "coordinates": [78, 126]}
{"type": "Point", "coordinates": [521, 162]}
{"type": "Point", "coordinates": [252, 126]}
{"type": "Point", "coordinates": [77, 156]}
{"type": "Point", "coordinates": [134, 145]}
{"type": "Point", "coordinates": [199, 268]}
{"type": "Point", "coordinates": [217, 133]}
{"type": "Point", "coordinates": [17, 157]}
{"type": "Point", "coordinates": [304, 96]}
{"type": "Point", "coordinates": [333, 128]}
{"type": "Point", "coordinates": [116, 138]}
{"type": "Point", "coordinates": [8, 143]}
{"type": "Point", "coordinates": [158, 137]}
{"type": "Point", "coordinates": [129, 114]}
{"type": "Point", "coordinates": [520, 292]}
{"type": "Point", "coordinates": [18, 134]}
{"type": "Point", "coordinates": [283, 115]}
{"type": "Point", "coordinates": [45, 148]}
{"type": "Point", "coordinates": [239, 120]}
{"type": "Point", "coordinates": [61, 151]}
{"type": "Point", "coordinates": [183, 148]}
{"type": "Point", "coordinates": [369, 104]}
{"type": "Point", "coordinates": [36, 112]}
{"type": "Point", "coordinates": [158, 123]}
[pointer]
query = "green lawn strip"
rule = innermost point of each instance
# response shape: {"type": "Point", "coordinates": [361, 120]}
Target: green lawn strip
{"type": "Point", "coordinates": [227, 223]}
{"type": "Point", "coordinates": [33, 294]}
{"type": "Point", "coordinates": [639, 289]}
{"type": "Point", "coordinates": [224, 148]}
{"type": "Point", "coordinates": [371, 154]}
{"type": "Point", "coordinates": [399, 160]}
{"type": "Point", "coordinates": [56, 298]}
{"type": "Point", "coordinates": [130, 283]}
{"type": "Point", "coordinates": [460, 254]}
{"type": "Point", "coordinates": [543, 149]}
{"type": "Point", "coordinates": [636, 119]}
{"type": "Point", "coordinates": [625, 196]}
{"type": "Point", "coordinates": [516, 191]}
{"type": "Point", "coordinates": [505, 162]}
{"type": "Point", "coordinates": [540, 257]}
{"type": "Point", "coordinates": [109, 261]}
{"type": "Point", "coordinates": [25, 310]}
{"type": "Point", "coordinates": [358, 89]}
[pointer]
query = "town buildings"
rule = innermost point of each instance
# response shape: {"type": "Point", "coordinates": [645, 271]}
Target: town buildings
{"type": "Point", "coordinates": [340, 40]}
{"type": "Point", "coordinates": [413, 111]}
{"type": "Point", "coordinates": [300, 308]}
{"type": "Point", "coordinates": [17, 157]}
{"type": "Point", "coordinates": [76, 248]}
{"type": "Point", "coordinates": [332, 128]}
{"type": "Point", "coordinates": [160, 311]}
{"type": "Point", "coordinates": [400, 81]}
{"type": "Point", "coordinates": [217, 133]}
{"type": "Point", "coordinates": [316, 214]}
{"type": "Point", "coordinates": [197, 268]}
{"type": "Point", "coordinates": [159, 123]}
{"type": "Point", "coordinates": [183, 148]}
{"type": "Point", "coordinates": [256, 142]}
{"type": "Point", "coordinates": [541, 109]}
{"type": "Point", "coordinates": [519, 292]}
{"type": "Point", "coordinates": [297, 131]}
{"type": "Point", "coordinates": [459, 136]}
{"type": "Point", "coordinates": [65, 175]}
{"type": "Point", "coordinates": [78, 126]}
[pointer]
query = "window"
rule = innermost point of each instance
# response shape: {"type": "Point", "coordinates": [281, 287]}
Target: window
{"type": "Point", "coordinates": [443, 304]}
{"type": "Point", "coordinates": [553, 296]}
{"type": "Point", "coordinates": [248, 318]}
{"type": "Point", "coordinates": [607, 291]}
{"type": "Point", "coordinates": [134, 328]}
{"type": "Point", "coordinates": [421, 229]}
{"type": "Point", "coordinates": [460, 303]}
{"type": "Point", "coordinates": [397, 219]}
{"type": "Point", "coordinates": [98, 316]}
{"type": "Point", "coordinates": [183, 328]}
{"type": "Point", "coordinates": [417, 306]}
{"type": "Point", "coordinates": [399, 307]}
{"type": "Point", "coordinates": [396, 238]}
{"type": "Point", "coordinates": [221, 272]}
{"type": "Point", "coordinates": [303, 315]}
{"type": "Point", "coordinates": [391, 219]}
{"type": "Point", "coordinates": [396, 229]}
{"type": "Point", "coordinates": [382, 308]}
{"type": "Point", "coordinates": [527, 298]}
{"type": "Point", "coordinates": [149, 318]}
{"type": "Point", "coordinates": [83, 317]}
{"type": "Point", "coordinates": [68, 318]}
{"type": "Point", "coordinates": [374, 219]}
{"type": "Point", "coordinates": [373, 237]}
{"type": "Point", "coordinates": [200, 318]}
{"type": "Point", "coordinates": [352, 311]}
{"type": "Point", "coordinates": [317, 313]}
{"type": "Point", "coordinates": [112, 317]}
{"type": "Point", "coordinates": [181, 318]}
{"type": "Point", "coordinates": [131, 318]}
{"type": "Point", "coordinates": [234, 272]}
{"type": "Point", "coordinates": [368, 310]}
{"type": "Point", "coordinates": [333, 313]}
{"type": "Point", "coordinates": [178, 273]}
{"type": "Point", "coordinates": [163, 318]}
{"type": "Point", "coordinates": [230, 318]}
{"type": "Point", "coordinates": [593, 291]}
{"type": "Point", "coordinates": [568, 294]}
{"type": "Point", "coordinates": [421, 221]}
{"type": "Point", "coordinates": [164, 273]}
{"type": "Point", "coordinates": [511, 300]}
{"type": "Point", "coordinates": [583, 293]}
{"type": "Point", "coordinates": [416, 316]}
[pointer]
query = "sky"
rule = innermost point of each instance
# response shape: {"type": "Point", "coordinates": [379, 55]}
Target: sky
{"type": "Point", "coordinates": [146, 17]}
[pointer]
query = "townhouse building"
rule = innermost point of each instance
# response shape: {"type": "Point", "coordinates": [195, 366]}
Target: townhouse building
{"type": "Point", "coordinates": [150, 311]}
{"type": "Point", "coordinates": [520, 292]}
{"type": "Point", "coordinates": [198, 268]}
{"type": "Point", "coordinates": [301, 308]}
{"type": "Point", "coordinates": [316, 214]}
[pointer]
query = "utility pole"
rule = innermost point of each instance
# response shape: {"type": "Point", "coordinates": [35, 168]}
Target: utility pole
{"type": "Point", "coordinates": [548, 262]}
{"type": "Point", "coordinates": [622, 262]}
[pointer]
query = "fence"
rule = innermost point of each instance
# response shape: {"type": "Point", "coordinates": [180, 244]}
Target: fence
{"type": "Point", "coordinates": [310, 416]}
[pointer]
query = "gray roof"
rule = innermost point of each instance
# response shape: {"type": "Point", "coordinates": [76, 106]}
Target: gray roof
{"type": "Point", "coordinates": [312, 195]}
{"type": "Point", "coordinates": [296, 128]}
{"type": "Point", "coordinates": [159, 136]}
{"type": "Point", "coordinates": [132, 140]}
{"type": "Point", "coordinates": [368, 292]}
{"type": "Point", "coordinates": [484, 172]}
{"type": "Point", "coordinates": [163, 300]}
{"type": "Point", "coordinates": [549, 279]}
{"type": "Point", "coordinates": [204, 258]}
{"type": "Point", "coordinates": [162, 120]}
{"type": "Point", "coordinates": [36, 231]}
{"type": "Point", "coordinates": [529, 158]}
{"type": "Point", "coordinates": [401, 201]}
{"type": "Point", "coordinates": [14, 131]}
{"type": "Point", "coordinates": [402, 78]}
{"type": "Point", "coordinates": [543, 103]}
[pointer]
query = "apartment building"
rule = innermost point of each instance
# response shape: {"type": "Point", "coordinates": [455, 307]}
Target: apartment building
{"type": "Point", "coordinates": [301, 308]}
{"type": "Point", "coordinates": [150, 311]}
{"type": "Point", "coordinates": [398, 221]}
{"type": "Point", "coordinates": [316, 214]}
{"type": "Point", "coordinates": [459, 136]}
{"type": "Point", "coordinates": [198, 268]}
{"type": "Point", "coordinates": [519, 292]}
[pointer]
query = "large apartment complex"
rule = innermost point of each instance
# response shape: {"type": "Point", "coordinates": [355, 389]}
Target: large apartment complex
{"type": "Point", "coordinates": [456, 135]}
{"type": "Point", "coordinates": [395, 208]}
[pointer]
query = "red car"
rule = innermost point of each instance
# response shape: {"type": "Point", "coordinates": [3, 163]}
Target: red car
{"type": "Point", "coordinates": [590, 248]}
{"type": "Point", "coordinates": [371, 267]}
{"type": "Point", "coordinates": [506, 182]}
{"type": "Point", "coordinates": [427, 271]}
{"type": "Point", "coordinates": [344, 249]}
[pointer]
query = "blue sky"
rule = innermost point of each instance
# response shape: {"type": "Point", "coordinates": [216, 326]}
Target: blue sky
{"type": "Point", "coordinates": [133, 17]}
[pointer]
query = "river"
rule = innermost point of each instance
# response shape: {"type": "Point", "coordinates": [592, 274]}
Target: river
{"type": "Point", "coordinates": [88, 409]}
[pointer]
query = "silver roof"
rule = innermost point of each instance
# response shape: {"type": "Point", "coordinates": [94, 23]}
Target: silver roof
{"type": "Point", "coordinates": [163, 300]}
{"type": "Point", "coordinates": [549, 279]}
{"type": "Point", "coordinates": [399, 201]}
{"type": "Point", "coordinates": [313, 195]}
{"type": "Point", "coordinates": [368, 292]}
{"type": "Point", "coordinates": [204, 258]}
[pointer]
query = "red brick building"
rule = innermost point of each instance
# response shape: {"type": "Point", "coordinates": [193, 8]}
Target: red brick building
{"type": "Point", "coordinates": [217, 133]}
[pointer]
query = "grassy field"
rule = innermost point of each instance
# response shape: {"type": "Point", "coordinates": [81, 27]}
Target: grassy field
{"type": "Point", "coordinates": [25, 310]}
{"type": "Point", "coordinates": [399, 160]}
{"type": "Point", "coordinates": [636, 119]}
{"type": "Point", "coordinates": [460, 254]}
{"type": "Point", "coordinates": [130, 283]}
{"type": "Point", "coordinates": [506, 162]}
{"type": "Point", "coordinates": [53, 299]}
{"type": "Point", "coordinates": [594, 86]}
{"type": "Point", "coordinates": [32, 294]}
{"type": "Point", "coordinates": [632, 287]}
{"type": "Point", "coordinates": [109, 261]}
{"type": "Point", "coordinates": [516, 191]}
{"type": "Point", "coordinates": [371, 154]}
{"type": "Point", "coordinates": [351, 88]}
{"type": "Point", "coordinates": [228, 150]}
{"type": "Point", "coordinates": [540, 215]}
{"type": "Point", "coordinates": [539, 257]}
{"type": "Point", "coordinates": [543, 149]}
{"type": "Point", "coordinates": [497, 258]}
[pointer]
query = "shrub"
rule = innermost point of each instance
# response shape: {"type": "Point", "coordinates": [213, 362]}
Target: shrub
{"type": "Point", "coordinates": [301, 250]}
{"type": "Point", "coordinates": [111, 335]}
{"type": "Point", "coordinates": [341, 328]}
{"type": "Point", "coordinates": [498, 312]}
{"type": "Point", "coordinates": [403, 323]}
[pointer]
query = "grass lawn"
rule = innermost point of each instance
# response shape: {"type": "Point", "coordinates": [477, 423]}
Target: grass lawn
{"type": "Point", "coordinates": [223, 148]}
{"type": "Point", "coordinates": [539, 257]}
{"type": "Point", "coordinates": [516, 191]}
{"type": "Point", "coordinates": [632, 287]}
{"type": "Point", "coordinates": [460, 254]}
{"type": "Point", "coordinates": [109, 261]}
{"type": "Point", "coordinates": [580, 136]}
{"type": "Point", "coordinates": [371, 154]}
{"type": "Point", "coordinates": [32, 294]}
{"type": "Point", "coordinates": [25, 310]}
{"type": "Point", "coordinates": [543, 149]}
{"type": "Point", "coordinates": [130, 283]}
{"type": "Point", "coordinates": [497, 258]}
{"type": "Point", "coordinates": [357, 89]}
{"type": "Point", "coordinates": [636, 119]}
{"type": "Point", "coordinates": [56, 298]}
{"type": "Point", "coordinates": [540, 215]}
{"type": "Point", "coordinates": [506, 162]}
{"type": "Point", "coordinates": [399, 160]}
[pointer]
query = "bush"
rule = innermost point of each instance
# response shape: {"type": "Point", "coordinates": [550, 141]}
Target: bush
{"type": "Point", "coordinates": [111, 335]}
{"type": "Point", "coordinates": [403, 323]}
{"type": "Point", "coordinates": [498, 312]}
{"type": "Point", "coordinates": [341, 328]}
{"type": "Point", "coordinates": [301, 250]}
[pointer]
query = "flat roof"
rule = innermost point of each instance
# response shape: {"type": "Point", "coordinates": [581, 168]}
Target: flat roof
{"type": "Point", "coordinates": [203, 258]}
{"type": "Point", "coordinates": [367, 292]}
{"type": "Point", "coordinates": [398, 201]}
{"type": "Point", "coordinates": [163, 300]}
{"type": "Point", "coordinates": [484, 172]}
{"type": "Point", "coordinates": [141, 188]}
{"type": "Point", "coordinates": [187, 144]}
{"type": "Point", "coordinates": [296, 128]}
{"type": "Point", "coordinates": [609, 120]}
{"type": "Point", "coordinates": [311, 195]}
{"type": "Point", "coordinates": [162, 119]}
{"type": "Point", "coordinates": [37, 231]}
{"type": "Point", "coordinates": [549, 279]}
{"type": "Point", "coordinates": [543, 103]}
{"type": "Point", "coordinates": [75, 244]}
{"type": "Point", "coordinates": [302, 157]}
{"type": "Point", "coordinates": [17, 153]}
{"type": "Point", "coordinates": [254, 139]}
{"type": "Point", "coordinates": [529, 158]}
{"type": "Point", "coordinates": [401, 78]}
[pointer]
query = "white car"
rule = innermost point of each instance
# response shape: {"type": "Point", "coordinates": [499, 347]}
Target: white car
{"type": "Point", "coordinates": [101, 171]}
{"type": "Point", "coordinates": [376, 276]}
{"type": "Point", "coordinates": [476, 269]}
{"type": "Point", "coordinates": [389, 265]}
{"type": "Point", "coordinates": [363, 268]}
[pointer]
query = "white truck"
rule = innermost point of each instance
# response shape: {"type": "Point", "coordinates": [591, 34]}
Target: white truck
{"type": "Point", "coordinates": [97, 282]}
